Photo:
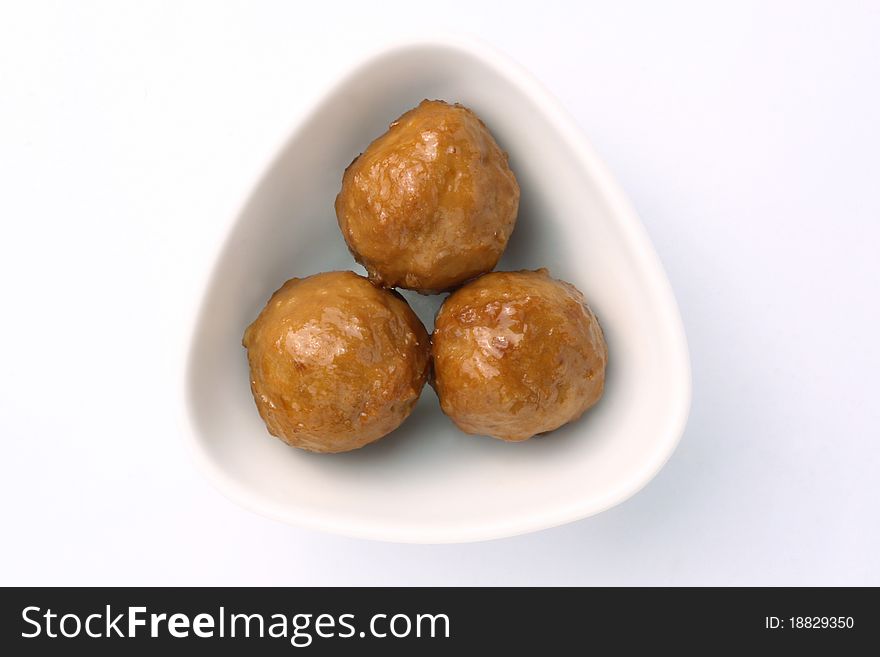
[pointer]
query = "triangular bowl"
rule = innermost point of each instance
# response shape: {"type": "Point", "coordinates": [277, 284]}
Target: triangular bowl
{"type": "Point", "coordinates": [428, 482]}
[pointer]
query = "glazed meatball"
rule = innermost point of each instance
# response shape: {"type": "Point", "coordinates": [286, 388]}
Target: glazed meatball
{"type": "Point", "coordinates": [335, 362]}
{"type": "Point", "coordinates": [431, 203]}
{"type": "Point", "coordinates": [517, 354]}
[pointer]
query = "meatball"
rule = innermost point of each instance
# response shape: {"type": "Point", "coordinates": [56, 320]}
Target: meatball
{"type": "Point", "coordinates": [335, 362]}
{"type": "Point", "coordinates": [517, 354]}
{"type": "Point", "coordinates": [431, 203]}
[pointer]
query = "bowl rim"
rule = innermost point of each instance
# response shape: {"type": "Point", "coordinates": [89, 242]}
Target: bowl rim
{"type": "Point", "coordinates": [637, 240]}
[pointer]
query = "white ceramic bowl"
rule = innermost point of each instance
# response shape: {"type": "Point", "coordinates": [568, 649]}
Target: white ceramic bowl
{"type": "Point", "coordinates": [428, 482]}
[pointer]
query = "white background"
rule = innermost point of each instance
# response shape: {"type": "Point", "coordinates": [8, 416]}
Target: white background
{"type": "Point", "coordinates": [747, 134]}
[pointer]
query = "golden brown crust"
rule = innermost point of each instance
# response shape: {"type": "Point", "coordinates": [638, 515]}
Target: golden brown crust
{"type": "Point", "coordinates": [517, 354]}
{"type": "Point", "coordinates": [431, 203]}
{"type": "Point", "coordinates": [335, 362]}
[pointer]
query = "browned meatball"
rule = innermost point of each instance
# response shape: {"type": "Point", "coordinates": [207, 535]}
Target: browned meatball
{"type": "Point", "coordinates": [335, 362]}
{"type": "Point", "coordinates": [517, 354]}
{"type": "Point", "coordinates": [431, 203]}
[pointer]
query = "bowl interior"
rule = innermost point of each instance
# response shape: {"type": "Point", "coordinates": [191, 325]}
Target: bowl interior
{"type": "Point", "coordinates": [428, 481]}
